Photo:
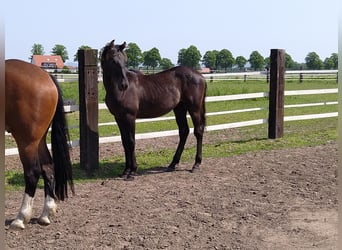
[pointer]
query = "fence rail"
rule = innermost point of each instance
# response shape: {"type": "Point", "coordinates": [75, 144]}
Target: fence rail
{"type": "Point", "coordinates": [75, 143]}
{"type": "Point", "coordinates": [289, 74]}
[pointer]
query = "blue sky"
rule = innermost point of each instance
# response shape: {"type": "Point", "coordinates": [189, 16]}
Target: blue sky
{"type": "Point", "coordinates": [298, 26]}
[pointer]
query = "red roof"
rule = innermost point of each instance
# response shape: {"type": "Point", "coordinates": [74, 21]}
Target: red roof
{"type": "Point", "coordinates": [204, 70]}
{"type": "Point", "coordinates": [46, 61]}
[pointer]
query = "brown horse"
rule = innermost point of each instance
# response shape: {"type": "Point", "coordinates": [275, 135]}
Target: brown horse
{"type": "Point", "coordinates": [33, 102]}
{"type": "Point", "coordinates": [131, 94]}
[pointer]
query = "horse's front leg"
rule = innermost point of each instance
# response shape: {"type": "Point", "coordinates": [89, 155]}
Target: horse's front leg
{"type": "Point", "coordinates": [127, 130]}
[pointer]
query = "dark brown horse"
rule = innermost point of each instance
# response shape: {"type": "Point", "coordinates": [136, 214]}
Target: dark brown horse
{"type": "Point", "coordinates": [131, 94]}
{"type": "Point", "coordinates": [33, 102]}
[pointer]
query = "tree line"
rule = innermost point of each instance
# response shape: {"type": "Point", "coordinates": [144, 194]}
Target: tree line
{"type": "Point", "coordinates": [216, 60]}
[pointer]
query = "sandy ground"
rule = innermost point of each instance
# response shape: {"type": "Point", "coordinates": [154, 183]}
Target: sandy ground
{"type": "Point", "coordinates": [279, 199]}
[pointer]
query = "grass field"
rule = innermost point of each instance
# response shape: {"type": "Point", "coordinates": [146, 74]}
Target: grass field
{"type": "Point", "coordinates": [253, 138]}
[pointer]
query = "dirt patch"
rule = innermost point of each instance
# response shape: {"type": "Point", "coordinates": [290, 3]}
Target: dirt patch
{"type": "Point", "coordinates": [279, 199]}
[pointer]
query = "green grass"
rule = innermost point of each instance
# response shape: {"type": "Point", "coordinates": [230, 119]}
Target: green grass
{"type": "Point", "coordinates": [250, 139]}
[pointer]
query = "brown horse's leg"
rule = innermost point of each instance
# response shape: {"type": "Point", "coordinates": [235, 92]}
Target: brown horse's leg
{"type": "Point", "coordinates": [199, 124]}
{"type": "Point", "coordinates": [183, 128]}
{"type": "Point", "coordinates": [127, 130]}
{"type": "Point", "coordinates": [48, 174]}
{"type": "Point", "coordinates": [30, 161]}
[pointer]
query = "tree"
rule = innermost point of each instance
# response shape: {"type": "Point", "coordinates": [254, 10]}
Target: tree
{"type": "Point", "coordinates": [334, 58]}
{"type": "Point", "coordinates": [134, 55]}
{"type": "Point", "coordinates": [60, 50]}
{"type": "Point", "coordinates": [289, 63]}
{"type": "Point", "coordinates": [225, 59]}
{"type": "Point", "coordinates": [328, 63]}
{"type": "Point", "coordinates": [181, 57]}
{"type": "Point", "coordinates": [331, 62]}
{"type": "Point", "coordinates": [313, 61]}
{"type": "Point", "coordinates": [189, 57]}
{"type": "Point", "coordinates": [267, 62]}
{"type": "Point", "coordinates": [256, 60]}
{"type": "Point", "coordinates": [85, 47]}
{"type": "Point", "coordinates": [166, 63]}
{"type": "Point", "coordinates": [37, 49]}
{"type": "Point", "coordinates": [240, 61]}
{"type": "Point", "coordinates": [210, 59]}
{"type": "Point", "coordinates": [152, 58]}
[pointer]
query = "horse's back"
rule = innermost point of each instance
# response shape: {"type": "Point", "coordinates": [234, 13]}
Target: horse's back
{"type": "Point", "coordinates": [31, 99]}
{"type": "Point", "coordinates": [184, 70]}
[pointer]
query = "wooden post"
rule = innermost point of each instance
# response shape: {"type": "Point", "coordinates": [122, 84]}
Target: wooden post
{"type": "Point", "coordinates": [300, 77]}
{"type": "Point", "coordinates": [267, 75]}
{"type": "Point", "coordinates": [276, 96]}
{"type": "Point", "coordinates": [88, 95]}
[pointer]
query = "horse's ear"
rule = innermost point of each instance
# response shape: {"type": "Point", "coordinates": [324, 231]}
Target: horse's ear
{"type": "Point", "coordinates": [112, 43]}
{"type": "Point", "coordinates": [122, 46]}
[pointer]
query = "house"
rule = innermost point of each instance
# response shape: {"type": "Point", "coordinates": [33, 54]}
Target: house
{"type": "Point", "coordinates": [205, 70]}
{"type": "Point", "coordinates": [49, 63]}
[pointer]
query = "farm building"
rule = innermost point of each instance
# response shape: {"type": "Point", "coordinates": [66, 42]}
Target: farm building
{"type": "Point", "coordinates": [48, 62]}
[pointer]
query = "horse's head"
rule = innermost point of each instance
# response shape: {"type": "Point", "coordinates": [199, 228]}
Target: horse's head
{"type": "Point", "coordinates": [113, 63]}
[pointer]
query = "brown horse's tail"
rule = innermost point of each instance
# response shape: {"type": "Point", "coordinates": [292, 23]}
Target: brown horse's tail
{"type": "Point", "coordinates": [60, 149]}
{"type": "Point", "coordinates": [203, 105]}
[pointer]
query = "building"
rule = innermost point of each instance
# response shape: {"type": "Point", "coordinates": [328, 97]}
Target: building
{"type": "Point", "coordinates": [49, 63]}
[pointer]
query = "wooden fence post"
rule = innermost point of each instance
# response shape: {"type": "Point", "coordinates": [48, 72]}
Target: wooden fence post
{"type": "Point", "coordinates": [300, 77]}
{"type": "Point", "coordinates": [88, 98]}
{"type": "Point", "coordinates": [276, 96]}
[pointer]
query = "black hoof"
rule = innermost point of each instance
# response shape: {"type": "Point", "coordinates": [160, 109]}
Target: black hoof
{"type": "Point", "coordinates": [128, 175]}
{"type": "Point", "coordinates": [170, 169]}
{"type": "Point", "coordinates": [124, 174]}
{"type": "Point", "coordinates": [195, 169]}
{"type": "Point", "coordinates": [129, 178]}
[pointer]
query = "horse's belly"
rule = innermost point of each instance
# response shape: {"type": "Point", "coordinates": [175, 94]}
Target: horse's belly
{"type": "Point", "coordinates": [151, 110]}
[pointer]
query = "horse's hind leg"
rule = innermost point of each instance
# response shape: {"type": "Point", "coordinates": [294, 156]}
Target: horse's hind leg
{"type": "Point", "coordinates": [32, 172]}
{"type": "Point", "coordinates": [183, 128]}
{"type": "Point", "coordinates": [48, 174]}
{"type": "Point", "coordinates": [199, 124]}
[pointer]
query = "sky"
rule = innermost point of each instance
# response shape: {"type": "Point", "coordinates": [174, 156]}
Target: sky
{"type": "Point", "coordinates": [298, 26]}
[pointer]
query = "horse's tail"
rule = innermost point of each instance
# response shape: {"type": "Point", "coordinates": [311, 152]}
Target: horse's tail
{"type": "Point", "coordinates": [203, 104]}
{"type": "Point", "coordinates": [60, 149]}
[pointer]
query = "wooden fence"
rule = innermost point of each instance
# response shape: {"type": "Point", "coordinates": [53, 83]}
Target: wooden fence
{"type": "Point", "coordinates": [76, 143]}
{"type": "Point", "coordinates": [88, 100]}
{"type": "Point", "coordinates": [300, 75]}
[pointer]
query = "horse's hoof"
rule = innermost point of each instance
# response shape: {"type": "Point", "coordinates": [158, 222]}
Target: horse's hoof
{"type": "Point", "coordinates": [44, 221]}
{"type": "Point", "coordinates": [170, 169]}
{"type": "Point", "coordinates": [17, 225]}
{"type": "Point", "coordinates": [195, 169]}
{"type": "Point", "coordinates": [124, 174]}
{"type": "Point", "coordinates": [129, 178]}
